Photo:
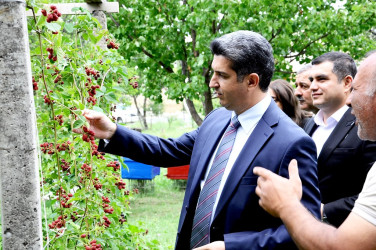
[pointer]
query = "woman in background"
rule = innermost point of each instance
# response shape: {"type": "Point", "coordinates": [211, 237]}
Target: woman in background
{"type": "Point", "coordinates": [283, 94]}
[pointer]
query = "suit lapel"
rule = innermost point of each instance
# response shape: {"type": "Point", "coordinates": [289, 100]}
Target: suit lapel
{"type": "Point", "coordinates": [255, 142]}
{"type": "Point", "coordinates": [212, 140]}
{"type": "Point", "coordinates": [339, 133]}
{"type": "Point", "coordinates": [310, 127]}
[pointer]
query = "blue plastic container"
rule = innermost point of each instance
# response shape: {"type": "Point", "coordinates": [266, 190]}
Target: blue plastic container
{"type": "Point", "coordinates": [138, 171]}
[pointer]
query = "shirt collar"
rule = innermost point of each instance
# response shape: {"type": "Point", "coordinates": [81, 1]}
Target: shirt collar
{"type": "Point", "coordinates": [319, 117]}
{"type": "Point", "coordinates": [249, 118]}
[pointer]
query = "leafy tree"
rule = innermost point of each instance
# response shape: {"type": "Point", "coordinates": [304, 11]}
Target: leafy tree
{"type": "Point", "coordinates": [168, 39]}
{"type": "Point", "coordinates": [85, 201]}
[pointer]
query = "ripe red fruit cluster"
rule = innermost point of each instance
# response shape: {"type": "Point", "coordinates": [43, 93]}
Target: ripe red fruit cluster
{"type": "Point", "coordinates": [53, 15]}
{"type": "Point", "coordinates": [64, 201]}
{"type": "Point", "coordinates": [47, 100]}
{"type": "Point", "coordinates": [93, 245]}
{"type": "Point", "coordinates": [35, 84]}
{"type": "Point", "coordinates": [92, 92]}
{"type": "Point", "coordinates": [93, 72]}
{"type": "Point", "coordinates": [51, 55]}
{"type": "Point", "coordinates": [122, 220]}
{"type": "Point", "coordinates": [120, 184]}
{"type": "Point", "coordinates": [111, 44]}
{"type": "Point", "coordinates": [86, 167]}
{"type": "Point", "coordinates": [126, 192]}
{"type": "Point", "coordinates": [58, 223]}
{"type": "Point", "coordinates": [134, 84]}
{"type": "Point", "coordinates": [65, 146]}
{"type": "Point", "coordinates": [47, 148]}
{"type": "Point", "coordinates": [114, 164]}
{"type": "Point", "coordinates": [59, 119]}
{"type": "Point", "coordinates": [73, 216]}
{"type": "Point", "coordinates": [88, 135]}
{"type": "Point", "coordinates": [136, 191]}
{"type": "Point", "coordinates": [107, 222]}
{"type": "Point", "coordinates": [58, 79]}
{"type": "Point", "coordinates": [105, 199]}
{"type": "Point", "coordinates": [107, 208]}
{"type": "Point", "coordinates": [65, 165]}
{"type": "Point", "coordinates": [97, 184]}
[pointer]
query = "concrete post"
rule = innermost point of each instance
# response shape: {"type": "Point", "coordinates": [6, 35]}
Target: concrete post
{"type": "Point", "coordinates": [19, 181]}
{"type": "Point", "coordinates": [102, 19]}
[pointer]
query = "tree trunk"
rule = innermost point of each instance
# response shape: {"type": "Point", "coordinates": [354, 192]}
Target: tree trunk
{"type": "Point", "coordinates": [207, 103]}
{"type": "Point", "coordinates": [139, 114]}
{"type": "Point", "coordinates": [193, 112]}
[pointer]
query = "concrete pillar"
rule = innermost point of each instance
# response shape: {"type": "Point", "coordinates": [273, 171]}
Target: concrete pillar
{"type": "Point", "coordinates": [19, 179]}
{"type": "Point", "coordinates": [102, 19]}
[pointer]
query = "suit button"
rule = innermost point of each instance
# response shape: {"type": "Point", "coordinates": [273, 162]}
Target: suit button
{"type": "Point", "coordinates": [186, 208]}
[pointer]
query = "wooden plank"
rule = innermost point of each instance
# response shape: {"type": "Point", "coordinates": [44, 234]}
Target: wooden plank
{"type": "Point", "coordinates": [66, 8]}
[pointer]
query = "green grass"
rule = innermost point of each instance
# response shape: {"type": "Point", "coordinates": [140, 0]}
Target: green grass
{"type": "Point", "coordinates": [172, 129]}
{"type": "Point", "coordinates": [158, 210]}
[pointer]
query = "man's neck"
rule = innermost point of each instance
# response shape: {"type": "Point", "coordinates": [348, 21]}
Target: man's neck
{"type": "Point", "coordinates": [328, 113]}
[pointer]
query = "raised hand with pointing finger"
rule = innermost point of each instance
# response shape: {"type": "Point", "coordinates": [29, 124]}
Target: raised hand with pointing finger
{"type": "Point", "coordinates": [277, 192]}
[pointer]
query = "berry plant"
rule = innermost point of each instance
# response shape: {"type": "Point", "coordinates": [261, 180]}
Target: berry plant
{"type": "Point", "coordinates": [85, 202]}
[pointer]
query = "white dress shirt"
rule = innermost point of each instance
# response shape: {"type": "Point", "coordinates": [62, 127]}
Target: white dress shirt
{"type": "Point", "coordinates": [248, 121]}
{"type": "Point", "coordinates": [323, 130]}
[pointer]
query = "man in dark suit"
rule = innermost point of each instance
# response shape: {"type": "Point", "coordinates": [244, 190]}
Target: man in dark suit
{"type": "Point", "coordinates": [243, 65]}
{"type": "Point", "coordinates": [343, 158]}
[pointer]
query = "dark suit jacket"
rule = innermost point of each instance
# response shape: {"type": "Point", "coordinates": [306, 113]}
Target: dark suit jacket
{"type": "Point", "coordinates": [238, 220]}
{"type": "Point", "coordinates": [342, 165]}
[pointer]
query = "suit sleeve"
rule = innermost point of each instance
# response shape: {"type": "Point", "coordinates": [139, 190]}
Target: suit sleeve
{"type": "Point", "coordinates": [304, 151]}
{"type": "Point", "coordinates": [149, 149]}
{"type": "Point", "coordinates": [337, 211]}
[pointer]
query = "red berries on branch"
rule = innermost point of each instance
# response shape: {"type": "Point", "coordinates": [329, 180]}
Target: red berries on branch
{"type": "Point", "coordinates": [65, 165]}
{"type": "Point", "coordinates": [53, 15]}
{"type": "Point", "coordinates": [114, 164]}
{"type": "Point", "coordinates": [93, 245]}
{"type": "Point", "coordinates": [35, 84]}
{"type": "Point", "coordinates": [59, 119]}
{"type": "Point", "coordinates": [47, 148]}
{"type": "Point", "coordinates": [58, 223]}
{"type": "Point", "coordinates": [120, 184]}
{"type": "Point", "coordinates": [86, 168]}
{"type": "Point", "coordinates": [51, 54]}
{"type": "Point", "coordinates": [111, 44]}
{"type": "Point", "coordinates": [107, 222]}
{"type": "Point", "coordinates": [93, 72]}
{"type": "Point", "coordinates": [97, 184]}
{"type": "Point", "coordinates": [65, 146]}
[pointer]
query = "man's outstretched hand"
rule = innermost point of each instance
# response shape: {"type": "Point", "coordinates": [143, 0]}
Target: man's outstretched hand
{"type": "Point", "coordinates": [100, 124]}
{"type": "Point", "coordinates": [277, 193]}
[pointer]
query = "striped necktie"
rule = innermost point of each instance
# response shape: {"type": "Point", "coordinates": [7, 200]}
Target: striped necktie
{"type": "Point", "coordinates": [208, 194]}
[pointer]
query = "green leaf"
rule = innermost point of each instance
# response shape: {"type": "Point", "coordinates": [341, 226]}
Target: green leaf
{"type": "Point", "coordinates": [53, 26]}
{"type": "Point", "coordinates": [98, 109]}
{"type": "Point", "coordinates": [69, 27]}
{"type": "Point", "coordinates": [78, 123]}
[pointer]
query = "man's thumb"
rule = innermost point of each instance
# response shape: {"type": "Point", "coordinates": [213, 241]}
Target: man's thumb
{"type": "Point", "coordinates": [294, 178]}
{"type": "Point", "coordinates": [294, 172]}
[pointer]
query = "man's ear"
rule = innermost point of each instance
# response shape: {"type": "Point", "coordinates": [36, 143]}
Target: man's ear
{"type": "Point", "coordinates": [348, 83]}
{"type": "Point", "coordinates": [253, 80]}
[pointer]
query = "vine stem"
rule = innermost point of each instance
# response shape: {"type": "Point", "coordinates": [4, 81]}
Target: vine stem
{"type": "Point", "coordinates": [38, 31]}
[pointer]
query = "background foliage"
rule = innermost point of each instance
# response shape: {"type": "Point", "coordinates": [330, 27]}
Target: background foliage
{"type": "Point", "coordinates": [168, 40]}
{"type": "Point", "coordinates": [85, 202]}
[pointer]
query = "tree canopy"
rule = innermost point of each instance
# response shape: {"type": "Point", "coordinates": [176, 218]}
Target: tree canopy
{"type": "Point", "coordinates": [168, 40]}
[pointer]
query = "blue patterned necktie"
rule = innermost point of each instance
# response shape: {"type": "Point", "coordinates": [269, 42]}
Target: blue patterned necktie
{"type": "Point", "coordinates": [208, 194]}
